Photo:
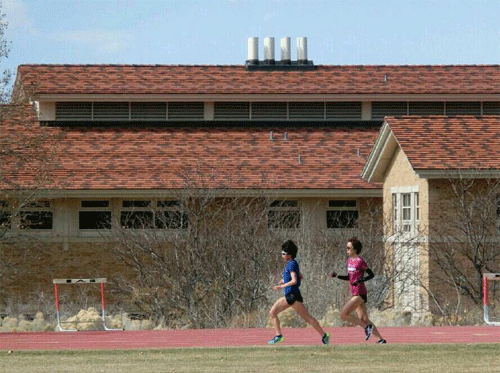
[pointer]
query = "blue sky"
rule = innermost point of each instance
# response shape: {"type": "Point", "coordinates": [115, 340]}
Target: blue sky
{"type": "Point", "coordinates": [216, 31]}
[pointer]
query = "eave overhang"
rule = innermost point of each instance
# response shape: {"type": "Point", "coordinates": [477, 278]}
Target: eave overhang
{"type": "Point", "coordinates": [176, 193]}
{"type": "Point", "coordinates": [380, 156]}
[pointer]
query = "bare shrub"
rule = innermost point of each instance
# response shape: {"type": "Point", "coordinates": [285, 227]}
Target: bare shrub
{"type": "Point", "coordinates": [214, 270]}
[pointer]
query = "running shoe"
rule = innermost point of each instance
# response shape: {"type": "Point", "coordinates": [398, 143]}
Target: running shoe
{"type": "Point", "coordinates": [368, 331]}
{"type": "Point", "coordinates": [380, 341]}
{"type": "Point", "coordinates": [276, 339]}
{"type": "Point", "coordinates": [326, 339]}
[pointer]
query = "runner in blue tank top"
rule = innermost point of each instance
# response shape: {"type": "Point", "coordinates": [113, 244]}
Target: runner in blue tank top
{"type": "Point", "coordinates": [290, 285]}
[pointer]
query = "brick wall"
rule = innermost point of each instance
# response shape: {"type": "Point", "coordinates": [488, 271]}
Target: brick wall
{"type": "Point", "coordinates": [35, 264]}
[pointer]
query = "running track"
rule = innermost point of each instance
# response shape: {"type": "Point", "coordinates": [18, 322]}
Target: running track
{"type": "Point", "coordinates": [101, 340]}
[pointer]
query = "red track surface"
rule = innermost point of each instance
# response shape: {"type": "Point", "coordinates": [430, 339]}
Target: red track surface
{"type": "Point", "coordinates": [237, 337]}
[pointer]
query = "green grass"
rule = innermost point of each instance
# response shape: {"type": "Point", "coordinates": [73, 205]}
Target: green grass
{"type": "Point", "coordinates": [375, 358]}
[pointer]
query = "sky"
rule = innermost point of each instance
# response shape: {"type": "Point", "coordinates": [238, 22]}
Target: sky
{"type": "Point", "coordinates": [216, 32]}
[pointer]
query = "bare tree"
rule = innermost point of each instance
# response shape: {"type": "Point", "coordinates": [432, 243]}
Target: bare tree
{"type": "Point", "coordinates": [27, 157]}
{"type": "Point", "coordinates": [465, 242]}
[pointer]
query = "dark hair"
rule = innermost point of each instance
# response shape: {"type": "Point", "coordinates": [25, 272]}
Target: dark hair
{"type": "Point", "coordinates": [356, 244]}
{"type": "Point", "coordinates": [290, 248]}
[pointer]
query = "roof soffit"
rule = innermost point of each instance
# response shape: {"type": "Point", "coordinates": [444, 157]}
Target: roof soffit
{"type": "Point", "coordinates": [380, 156]}
{"type": "Point", "coordinates": [266, 97]}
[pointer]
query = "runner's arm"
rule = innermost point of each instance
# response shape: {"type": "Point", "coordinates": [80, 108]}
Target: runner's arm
{"type": "Point", "coordinates": [340, 277]}
{"type": "Point", "coordinates": [369, 276]}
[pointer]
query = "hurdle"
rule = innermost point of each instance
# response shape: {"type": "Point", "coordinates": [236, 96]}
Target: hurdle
{"type": "Point", "coordinates": [486, 298]}
{"type": "Point", "coordinates": [100, 281]}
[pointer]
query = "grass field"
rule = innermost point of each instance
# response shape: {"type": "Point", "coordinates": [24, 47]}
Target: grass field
{"type": "Point", "coordinates": [374, 358]}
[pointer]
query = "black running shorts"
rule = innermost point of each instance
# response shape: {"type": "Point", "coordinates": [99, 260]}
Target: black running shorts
{"type": "Point", "coordinates": [292, 297]}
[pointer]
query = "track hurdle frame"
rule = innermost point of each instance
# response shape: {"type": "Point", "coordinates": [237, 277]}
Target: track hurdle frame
{"type": "Point", "coordinates": [100, 281]}
{"type": "Point", "coordinates": [486, 298]}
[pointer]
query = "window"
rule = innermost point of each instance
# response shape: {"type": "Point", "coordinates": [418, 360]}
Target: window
{"type": "Point", "coordinates": [284, 214]}
{"type": "Point", "coordinates": [395, 215]}
{"type": "Point", "coordinates": [342, 214]}
{"type": "Point", "coordinates": [5, 215]}
{"type": "Point", "coordinates": [94, 215]}
{"type": "Point", "coordinates": [405, 210]}
{"type": "Point", "coordinates": [137, 214]}
{"type": "Point", "coordinates": [416, 203]}
{"type": "Point", "coordinates": [144, 214]}
{"type": "Point", "coordinates": [169, 215]}
{"type": "Point", "coordinates": [36, 215]}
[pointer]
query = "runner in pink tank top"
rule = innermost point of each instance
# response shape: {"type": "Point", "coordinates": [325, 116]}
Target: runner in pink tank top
{"type": "Point", "coordinates": [356, 268]}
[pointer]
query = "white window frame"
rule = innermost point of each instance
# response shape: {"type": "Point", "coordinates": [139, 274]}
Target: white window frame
{"type": "Point", "coordinates": [354, 208]}
{"type": "Point", "coordinates": [395, 214]}
{"type": "Point", "coordinates": [283, 210]}
{"type": "Point", "coordinates": [405, 209]}
{"type": "Point", "coordinates": [155, 208]}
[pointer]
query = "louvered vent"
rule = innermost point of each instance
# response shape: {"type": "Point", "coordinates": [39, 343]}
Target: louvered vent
{"type": "Point", "coordinates": [491, 108]}
{"type": "Point", "coordinates": [73, 111]}
{"type": "Point", "coordinates": [306, 110]}
{"type": "Point", "coordinates": [148, 111]}
{"type": "Point", "coordinates": [463, 108]}
{"type": "Point", "coordinates": [231, 111]}
{"type": "Point", "coordinates": [186, 110]}
{"type": "Point", "coordinates": [383, 109]}
{"type": "Point", "coordinates": [426, 108]}
{"type": "Point", "coordinates": [269, 110]}
{"type": "Point", "coordinates": [111, 111]}
{"type": "Point", "coordinates": [343, 110]}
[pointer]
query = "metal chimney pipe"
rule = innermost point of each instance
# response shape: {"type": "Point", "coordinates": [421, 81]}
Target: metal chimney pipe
{"type": "Point", "coordinates": [269, 50]}
{"type": "Point", "coordinates": [302, 49]}
{"type": "Point", "coordinates": [285, 50]}
{"type": "Point", "coordinates": [253, 51]}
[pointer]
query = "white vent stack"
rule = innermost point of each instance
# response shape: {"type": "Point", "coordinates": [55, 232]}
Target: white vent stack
{"type": "Point", "coordinates": [269, 50]}
{"type": "Point", "coordinates": [268, 63]}
{"type": "Point", "coordinates": [253, 51]}
{"type": "Point", "coordinates": [302, 49]}
{"type": "Point", "coordinates": [285, 50]}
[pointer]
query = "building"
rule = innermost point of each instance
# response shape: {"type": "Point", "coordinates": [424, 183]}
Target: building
{"type": "Point", "coordinates": [441, 197]}
{"type": "Point", "coordinates": [125, 139]}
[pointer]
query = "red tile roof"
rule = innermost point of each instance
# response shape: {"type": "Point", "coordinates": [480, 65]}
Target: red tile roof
{"type": "Point", "coordinates": [449, 143]}
{"type": "Point", "coordinates": [174, 158]}
{"type": "Point", "coordinates": [210, 79]}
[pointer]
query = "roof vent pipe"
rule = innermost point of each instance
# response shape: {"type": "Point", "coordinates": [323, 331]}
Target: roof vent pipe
{"type": "Point", "coordinates": [269, 50]}
{"type": "Point", "coordinates": [253, 51]}
{"type": "Point", "coordinates": [285, 50]}
{"type": "Point", "coordinates": [302, 49]}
